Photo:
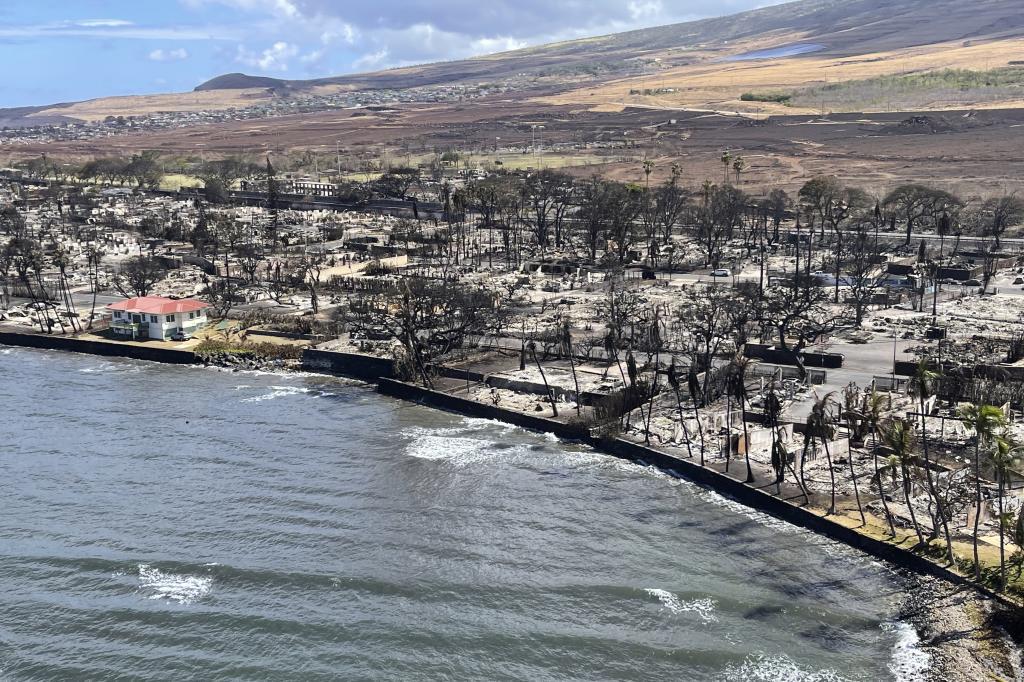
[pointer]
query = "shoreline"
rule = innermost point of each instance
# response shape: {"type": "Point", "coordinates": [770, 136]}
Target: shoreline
{"type": "Point", "coordinates": [962, 626]}
{"type": "Point", "coordinates": [963, 633]}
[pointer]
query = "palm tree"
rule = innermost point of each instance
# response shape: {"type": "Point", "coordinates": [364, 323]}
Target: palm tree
{"type": "Point", "coordinates": [736, 379]}
{"type": "Point", "coordinates": [673, 381]}
{"type": "Point", "coordinates": [532, 347]}
{"type": "Point", "coordinates": [871, 410]}
{"type": "Point", "coordinates": [94, 254]}
{"type": "Point", "coordinates": [986, 421]}
{"type": "Point", "coordinates": [922, 386]}
{"type": "Point", "coordinates": [565, 341]}
{"type": "Point", "coordinates": [726, 160]}
{"type": "Point", "coordinates": [855, 425]}
{"type": "Point", "coordinates": [780, 456]}
{"type": "Point", "coordinates": [1004, 456]}
{"type": "Point", "coordinates": [738, 165]}
{"type": "Point", "coordinates": [898, 436]}
{"type": "Point", "coordinates": [693, 385]}
{"type": "Point", "coordinates": [821, 425]}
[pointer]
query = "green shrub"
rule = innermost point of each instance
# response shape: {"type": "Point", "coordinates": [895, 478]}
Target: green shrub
{"type": "Point", "coordinates": [777, 97]}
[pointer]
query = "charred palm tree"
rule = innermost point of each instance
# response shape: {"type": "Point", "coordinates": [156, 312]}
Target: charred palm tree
{"type": "Point", "coordinates": [821, 426]}
{"type": "Point", "coordinates": [565, 341]}
{"type": "Point", "coordinates": [673, 381]}
{"type": "Point", "coordinates": [780, 456]}
{"type": "Point", "coordinates": [94, 255]}
{"type": "Point", "coordinates": [922, 387]}
{"type": "Point", "coordinates": [637, 393]}
{"type": "Point", "coordinates": [736, 379]}
{"type": "Point", "coordinates": [693, 385]}
{"type": "Point", "coordinates": [532, 347]}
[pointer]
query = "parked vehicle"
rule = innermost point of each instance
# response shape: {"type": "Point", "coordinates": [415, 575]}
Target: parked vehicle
{"type": "Point", "coordinates": [721, 272]}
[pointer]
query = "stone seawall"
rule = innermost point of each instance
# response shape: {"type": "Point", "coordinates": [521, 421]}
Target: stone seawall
{"type": "Point", "coordinates": [445, 401]}
{"type": "Point", "coordinates": [104, 348]}
{"type": "Point", "coordinates": [353, 365]}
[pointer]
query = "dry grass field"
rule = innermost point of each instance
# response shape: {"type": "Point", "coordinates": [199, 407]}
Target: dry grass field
{"type": "Point", "coordinates": [718, 85]}
{"type": "Point", "coordinates": [140, 105]}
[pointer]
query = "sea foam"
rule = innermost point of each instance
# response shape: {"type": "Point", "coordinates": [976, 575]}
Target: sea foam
{"type": "Point", "coordinates": [909, 662]}
{"type": "Point", "coordinates": [780, 668]}
{"type": "Point", "coordinates": [181, 589]}
{"type": "Point", "coordinates": [704, 608]}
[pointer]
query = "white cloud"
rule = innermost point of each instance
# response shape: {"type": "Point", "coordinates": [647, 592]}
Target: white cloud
{"type": "Point", "coordinates": [372, 60]}
{"type": "Point", "coordinates": [322, 35]}
{"type": "Point", "coordinates": [640, 10]}
{"type": "Point", "coordinates": [101, 23]}
{"type": "Point", "coordinates": [274, 58]}
{"type": "Point", "coordinates": [343, 30]}
{"type": "Point", "coordinates": [500, 44]}
{"type": "Point", "coordinates": [175, 55]}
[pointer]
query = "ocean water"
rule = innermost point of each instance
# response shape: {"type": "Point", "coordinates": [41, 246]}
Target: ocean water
{"type": "Point", "coordinates": [171, 523]}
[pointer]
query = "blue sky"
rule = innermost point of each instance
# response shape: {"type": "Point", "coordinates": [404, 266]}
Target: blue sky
{"type": "Point", "coordinates": [68, 50]}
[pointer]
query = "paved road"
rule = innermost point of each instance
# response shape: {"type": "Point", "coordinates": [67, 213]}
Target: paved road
{"type": "Point", "coordinates": [862, 363]}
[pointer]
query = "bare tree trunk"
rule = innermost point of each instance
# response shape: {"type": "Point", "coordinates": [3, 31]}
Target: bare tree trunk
{"type": "Point", "coordinates": [547, 389]}
{"type": "Point", "coordinates": [977, 506]}
{"type": "Point", "coordinates": [910, 507]}
{"type": "Point", "coordinates": [881, 495]}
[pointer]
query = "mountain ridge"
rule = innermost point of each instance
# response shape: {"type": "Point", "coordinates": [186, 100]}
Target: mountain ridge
{"type": "Point", "coordinates": [843, 27]}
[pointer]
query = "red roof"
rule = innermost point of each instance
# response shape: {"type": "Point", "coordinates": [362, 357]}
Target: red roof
{"type": "Point", "coordinates": [158, 305]}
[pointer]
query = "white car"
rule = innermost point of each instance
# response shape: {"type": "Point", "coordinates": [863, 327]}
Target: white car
{"type": "Point", "coordinates": [721, 272]}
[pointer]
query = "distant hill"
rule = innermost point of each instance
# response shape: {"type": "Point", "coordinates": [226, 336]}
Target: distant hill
{"type": "Point", "coordinates": [799, 57]}
{"type": "Point", "coordinates": [240, 81]}
{"type": "Point", "coordinates": [839, 27]}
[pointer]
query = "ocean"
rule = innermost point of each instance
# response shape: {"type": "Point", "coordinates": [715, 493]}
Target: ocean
{"type": "Point", "coordinates": [171, 523]}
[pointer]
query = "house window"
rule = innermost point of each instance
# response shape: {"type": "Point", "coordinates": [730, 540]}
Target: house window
{"type": "Point", "coordinates": [154, 318]}
{"type": "Point", "coordinates": [170, 318]}
{"type": "Point", "coordinates": [191, 316]}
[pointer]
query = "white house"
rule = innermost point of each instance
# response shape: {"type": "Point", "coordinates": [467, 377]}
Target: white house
{"type": "Point", "coordinates": [155, 317]}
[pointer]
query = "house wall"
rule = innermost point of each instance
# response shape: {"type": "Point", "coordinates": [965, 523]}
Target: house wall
{"type": "Point", "coordinates": [162, 329]}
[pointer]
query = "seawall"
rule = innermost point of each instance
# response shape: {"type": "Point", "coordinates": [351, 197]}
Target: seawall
{"type": "Point", "coordinates": [353, 365]}
{"type": "Point", "coordinates": [105, 348]}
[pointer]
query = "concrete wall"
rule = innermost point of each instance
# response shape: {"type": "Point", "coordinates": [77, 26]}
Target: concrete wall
{"type": "Point", "coordinates": [105, 348]}
{"type": "Point", "coordinates": [760, 351]}
{"type": "Point", "coordinates": [354, 365]}
{"type": "Point", "coordinates": [444, 401]}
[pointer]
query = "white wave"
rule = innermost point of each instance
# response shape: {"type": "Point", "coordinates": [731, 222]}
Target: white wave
{"type": "Point", "coordinates": [6, 351]}
{"type": "Point", "coordinates": [124, 367]}
{"type": "Point", "coordinates": [451, 449]}
{"type": "Point", "coordinates": [478, 423]}
{"type": "Point", "coordinates": [279, 373]}
{"type": "Point", "coordinates": [601, 461]}
{"type": "Point", "coordinates": [704, 608]}
{"type": "Point", "coordinates": [181, 589]}
{"type": "Point", "coordinates": [781, 668]}
{"type": "Point", "coordinates": [909, 662]}
{"type": "Point", "coordinates": [97, 369]}
{"type": "Point", "coordinates": [278, 392]}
